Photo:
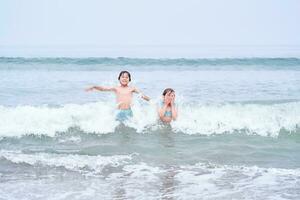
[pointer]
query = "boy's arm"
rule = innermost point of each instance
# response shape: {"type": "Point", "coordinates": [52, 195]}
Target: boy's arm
{"type": "Point", "coordinates": [142, 95]}
{"type": "Point", "coordinates": [101, 88]}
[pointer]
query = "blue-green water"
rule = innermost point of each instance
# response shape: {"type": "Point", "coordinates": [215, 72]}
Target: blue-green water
{"type": "Point", "coordinates": [237, 135]}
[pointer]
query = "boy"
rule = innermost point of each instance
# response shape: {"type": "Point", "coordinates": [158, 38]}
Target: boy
{"type": "Point", "coordinates": [123, 94]}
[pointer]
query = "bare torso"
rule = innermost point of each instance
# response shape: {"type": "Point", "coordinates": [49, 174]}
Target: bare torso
{"type": "Point", "coordinates": [124, 97]}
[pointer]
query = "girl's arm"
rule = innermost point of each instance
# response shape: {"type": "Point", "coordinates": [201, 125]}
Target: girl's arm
{"type": "Point", "coordinates": [142, 95]}
{"type": "Point", "coordinates": [161, 111]}
{"type": "Point", "coordinates": [100, 88]}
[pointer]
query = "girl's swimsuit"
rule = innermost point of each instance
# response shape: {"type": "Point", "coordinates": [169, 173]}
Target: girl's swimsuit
{"type": "Point", "coordinates": [124, 115]}
{"type": "Point", "coordinates": [167, 113]}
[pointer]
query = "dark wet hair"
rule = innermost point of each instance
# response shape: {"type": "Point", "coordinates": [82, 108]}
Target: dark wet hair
{"type": "Point", "coordinates": [168, 90]}
{"type": "Point", "coordinates": [124, 72]}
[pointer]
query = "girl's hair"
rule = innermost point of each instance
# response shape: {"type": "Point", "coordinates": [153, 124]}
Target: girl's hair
{"type": "Point", "coordinates": [167, 90]}
{"type": "Point", "coordinates": [124, 72]}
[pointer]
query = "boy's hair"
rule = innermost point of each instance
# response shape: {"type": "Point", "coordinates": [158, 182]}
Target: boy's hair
{"type": "Point", "coordinates": [124, 72]}
{"type": "Point", "coordinates": [167, 90]}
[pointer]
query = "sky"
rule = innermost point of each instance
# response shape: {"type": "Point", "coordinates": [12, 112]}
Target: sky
{"type": "Point", "coordinates": [119, 23]}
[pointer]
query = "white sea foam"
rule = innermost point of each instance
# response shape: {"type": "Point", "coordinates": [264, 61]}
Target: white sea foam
{"type": "Point", "coordinates": [260, 119]}
{"type": "Point", "coordinates": [235, 182]}
{"type": "Point", "coordinates": [99, 117]}
{"type": "Point", "coordinates": [80, 163]}
{"type": "Point", "coordinates": [16, 121]}
{"type": "Point", "coordinates": [143, 180]}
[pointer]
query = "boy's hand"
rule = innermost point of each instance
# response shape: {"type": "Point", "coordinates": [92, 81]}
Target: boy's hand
{"type": "Point", "coordinates": [145, 97]}
{"type": "Point", "coordinates": [89, 89]}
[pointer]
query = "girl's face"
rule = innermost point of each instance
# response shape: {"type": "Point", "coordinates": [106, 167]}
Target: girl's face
{"type": "Point", "coordinates": [170, 96]}
{"type": "Point", "coordinates": [124, 79]}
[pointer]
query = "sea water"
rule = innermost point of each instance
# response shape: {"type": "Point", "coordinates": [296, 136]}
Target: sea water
{"type": "Point", "coordinates": [237, 135]}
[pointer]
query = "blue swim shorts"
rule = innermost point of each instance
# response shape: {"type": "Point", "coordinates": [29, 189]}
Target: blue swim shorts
{"type": "Point", "coordinates": [124, 115]}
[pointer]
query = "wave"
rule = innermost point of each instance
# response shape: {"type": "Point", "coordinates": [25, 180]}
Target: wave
{"type": "Point", "coordinates": [219, 182]}
{"type": "Point", "coordinates": [96, 163]}
{"type": "Point", "coordinates": [99, 118]}
{"type": "Point", "coordinates": [123, 61]}
{"type": "Point", "coordinates": [175, 181]}
{"type": "Point", "coordinates": [79, 163]}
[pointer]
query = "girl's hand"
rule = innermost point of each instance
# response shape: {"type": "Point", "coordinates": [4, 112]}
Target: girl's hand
{"type": "Point", "coordinates": [172, 102]}
{"type": "Point", "coordinates": [168, 101]}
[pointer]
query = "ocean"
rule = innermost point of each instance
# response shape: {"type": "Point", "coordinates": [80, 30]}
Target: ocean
{"type": "Point", "coordinates": [237, 135]}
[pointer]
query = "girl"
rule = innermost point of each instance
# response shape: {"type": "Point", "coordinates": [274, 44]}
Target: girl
{"type": "Point", "coordinates": [167, 111]}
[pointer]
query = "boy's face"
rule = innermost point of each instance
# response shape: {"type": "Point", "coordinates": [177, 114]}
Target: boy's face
{"type": "Point", "coordinates": [124, 79]}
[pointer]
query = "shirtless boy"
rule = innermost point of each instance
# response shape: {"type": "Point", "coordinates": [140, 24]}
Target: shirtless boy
{"type": "Point", "coordinates": [124, 94]}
